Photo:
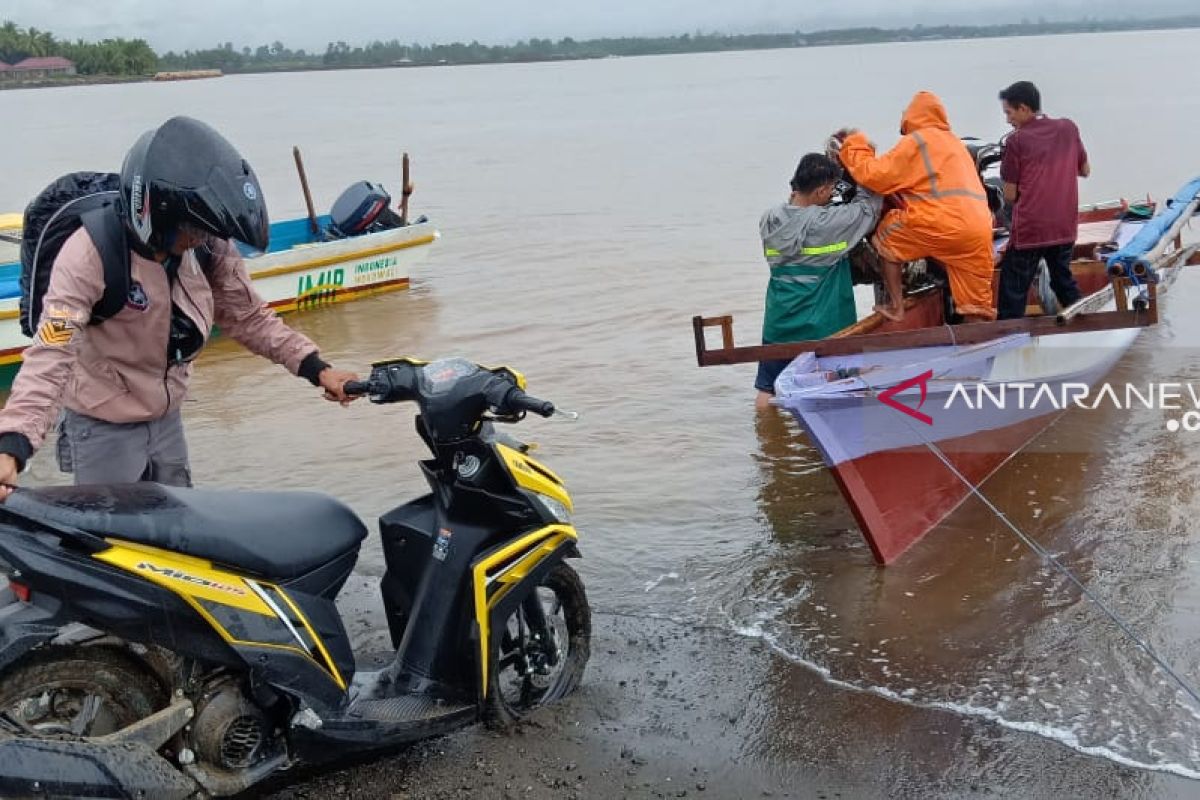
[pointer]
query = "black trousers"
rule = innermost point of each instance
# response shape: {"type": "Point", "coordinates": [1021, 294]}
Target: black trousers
{"type": "Point", "coordinates": [1019, 268]}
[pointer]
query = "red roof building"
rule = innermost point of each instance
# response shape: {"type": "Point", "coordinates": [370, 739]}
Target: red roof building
{"type": "Point", "coordinates": [38, 67]}
{"type": "Point", "coordinates": [45, 62]}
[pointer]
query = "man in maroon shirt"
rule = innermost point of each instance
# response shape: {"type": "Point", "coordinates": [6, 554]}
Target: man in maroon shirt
{"type": "Point", "coordinates": [1043, 158]}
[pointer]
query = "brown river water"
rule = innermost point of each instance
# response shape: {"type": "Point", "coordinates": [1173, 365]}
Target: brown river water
{"type": "Point", "coordinates": [588, 210]}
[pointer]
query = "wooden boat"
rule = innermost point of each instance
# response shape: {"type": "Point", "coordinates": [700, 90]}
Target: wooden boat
{"type": "Point", "coordinates": [187, 75]}
{"type": "Point", "coordinates": [907, 415]}
{"type": "Point", "coordinates": [306, 266]}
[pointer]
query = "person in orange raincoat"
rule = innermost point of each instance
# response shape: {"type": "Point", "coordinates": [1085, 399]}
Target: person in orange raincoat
{"type": "Point", "coordinates": [943, 211]}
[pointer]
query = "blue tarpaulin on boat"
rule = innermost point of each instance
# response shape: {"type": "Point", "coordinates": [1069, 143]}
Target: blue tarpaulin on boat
{"type": "Point", "coordinates": [10, 280]}
{"type": "Point", "coordinates": [1139, 245]}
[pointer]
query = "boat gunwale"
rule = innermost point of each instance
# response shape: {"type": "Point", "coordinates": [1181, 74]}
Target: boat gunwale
{"type": "Point", "coordinates": [346, 255]}
{"type": "Point", "coordinates": [963, 334]}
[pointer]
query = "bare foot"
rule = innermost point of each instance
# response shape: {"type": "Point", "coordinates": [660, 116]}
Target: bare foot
{"type": "Point", "coordinates": [763, 400]}
{"type": "Point", "coordinates": [895, 314]}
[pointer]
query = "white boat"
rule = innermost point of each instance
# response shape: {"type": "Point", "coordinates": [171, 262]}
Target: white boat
{"type": "Point", "coordinates": [301, 270]}
{"type": "Point", "coordinates": [911, 417]}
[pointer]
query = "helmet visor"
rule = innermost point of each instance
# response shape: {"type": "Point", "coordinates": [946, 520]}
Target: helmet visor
{"type": "Point", "coordinates": [229, 207]}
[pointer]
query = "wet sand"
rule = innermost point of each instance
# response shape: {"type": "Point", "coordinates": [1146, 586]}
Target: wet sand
{"type": "Point", "coordinates": [671, 710]}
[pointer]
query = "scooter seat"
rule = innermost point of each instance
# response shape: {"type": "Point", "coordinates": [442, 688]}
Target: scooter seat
{"type": "Point", "coordinates": [274, 534]}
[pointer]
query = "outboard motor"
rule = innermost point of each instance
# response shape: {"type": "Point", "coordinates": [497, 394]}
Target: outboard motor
{"type": "Point", "coordinates": [363, 208]}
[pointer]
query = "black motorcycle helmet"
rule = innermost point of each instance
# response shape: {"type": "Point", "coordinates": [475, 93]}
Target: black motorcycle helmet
{"type": "Point", "coordinates": [185, 173]}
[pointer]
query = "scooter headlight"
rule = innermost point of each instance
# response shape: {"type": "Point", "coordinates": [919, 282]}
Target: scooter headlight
{"type": "Point", "coordinates": [557, 510]}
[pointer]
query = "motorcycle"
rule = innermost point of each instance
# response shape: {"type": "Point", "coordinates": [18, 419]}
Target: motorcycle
{"type": "Point", "coordinates": [987, 157]}
{"type": "Point", "coordinates": [176, 643]}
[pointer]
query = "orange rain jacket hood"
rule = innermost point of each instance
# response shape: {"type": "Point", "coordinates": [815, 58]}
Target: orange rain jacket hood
{"type": "Point", "coordinates": [944, 212]}
{"type": "Point", "coordinates": [924, 111]}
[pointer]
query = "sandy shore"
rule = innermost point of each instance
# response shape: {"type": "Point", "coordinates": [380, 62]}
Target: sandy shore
{"type": "Point", "coordinates": [673, 711]}
{"type": "Point", "coordinates": [71, 80]}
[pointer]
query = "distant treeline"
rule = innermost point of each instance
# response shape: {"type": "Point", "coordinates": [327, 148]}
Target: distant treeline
{"type": "Point", "coordinates": [341, 54]}
{"type": "Point", "coordinates": [109, 57]}
{"type": "Point", "coordinates": [128, 57]}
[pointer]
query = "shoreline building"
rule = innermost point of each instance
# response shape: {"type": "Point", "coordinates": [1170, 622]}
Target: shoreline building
{"type": "Point", "coordinates": [37, 67]}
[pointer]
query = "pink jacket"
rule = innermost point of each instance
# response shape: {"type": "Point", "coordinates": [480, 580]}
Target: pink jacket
{"type": "Point", "coordinates": [118, 370]}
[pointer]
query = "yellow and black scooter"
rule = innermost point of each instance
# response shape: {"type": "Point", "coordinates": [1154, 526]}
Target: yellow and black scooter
{"type": "Point", "coordinates": [167, 642]}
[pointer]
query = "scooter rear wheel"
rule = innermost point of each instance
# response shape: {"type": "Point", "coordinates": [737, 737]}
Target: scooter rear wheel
{"type": "Point", "coordinates": [530, 670]}
{"type": "Point", "coordinates": [77, 691]}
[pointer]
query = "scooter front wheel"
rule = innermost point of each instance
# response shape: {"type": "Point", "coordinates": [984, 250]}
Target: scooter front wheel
{"type": "Point", "coordinates": [543, 650]}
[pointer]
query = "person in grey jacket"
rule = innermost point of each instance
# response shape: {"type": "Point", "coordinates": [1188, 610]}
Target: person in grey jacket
{"type": "Point", "coordinates": [807, 243]}
{"type": "Point", "coordinates": [184, 188]}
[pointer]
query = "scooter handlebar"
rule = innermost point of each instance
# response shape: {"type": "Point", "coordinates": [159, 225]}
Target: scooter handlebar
{"type": "Point", "coordinates": [514, 400]}
{"type": "Point", "coordinates": [517, 400]}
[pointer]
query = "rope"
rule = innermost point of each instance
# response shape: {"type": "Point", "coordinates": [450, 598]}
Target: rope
{"type": "Point", "coordinates": [1046, 555]}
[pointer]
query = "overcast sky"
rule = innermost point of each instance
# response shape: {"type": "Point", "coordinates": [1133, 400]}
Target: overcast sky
{"type": "Point", "coordinates": [176, 25]}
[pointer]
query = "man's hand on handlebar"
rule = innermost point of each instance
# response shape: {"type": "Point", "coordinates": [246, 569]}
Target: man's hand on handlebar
{"type": "Point", "coordinates": [333, 381]}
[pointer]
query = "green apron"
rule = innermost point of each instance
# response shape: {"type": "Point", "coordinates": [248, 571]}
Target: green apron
{"type": "Point", "coordinates": [806, 302]}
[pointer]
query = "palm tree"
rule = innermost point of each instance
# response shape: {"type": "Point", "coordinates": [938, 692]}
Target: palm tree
{"type": "Point", "coordinates": [47, 43]}
{"type": "Point", "coordinates": [33, 42]}
{"type": "Point", "coordinates": [11, 42]}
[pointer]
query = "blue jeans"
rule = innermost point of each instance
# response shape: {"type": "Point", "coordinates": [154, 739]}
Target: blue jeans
{"type": "Point", "coordinates": [768, 371]}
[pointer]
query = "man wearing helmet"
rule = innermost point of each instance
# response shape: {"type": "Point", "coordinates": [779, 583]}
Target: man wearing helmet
{"type": "Point", "coordinates": [185, 194]}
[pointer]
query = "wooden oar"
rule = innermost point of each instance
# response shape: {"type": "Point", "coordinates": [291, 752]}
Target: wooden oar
{"type": "Point", "coordinates": [312, 216]}
{"type": "Point", "coordinates": [406, 188]}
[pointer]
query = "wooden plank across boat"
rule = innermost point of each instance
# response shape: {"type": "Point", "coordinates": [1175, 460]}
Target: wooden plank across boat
{"type": "Point", "coordinates": [877, 399]}
{"type": "Point", "coordinates": [307, 266]}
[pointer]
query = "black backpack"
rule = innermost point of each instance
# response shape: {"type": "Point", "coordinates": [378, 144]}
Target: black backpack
{"type": "Point", "coordinates": [86, 199]}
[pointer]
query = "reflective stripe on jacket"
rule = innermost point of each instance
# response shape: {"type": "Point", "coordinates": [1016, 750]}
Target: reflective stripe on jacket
{"type": "Point", "coordinates": [930, 170]}
{"type": "Point", "coordinates": [806, 302]}
{"type": "Point", "coordinates": [810, 294]}
{"type": "Point", "coordinates": [943, 211]}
